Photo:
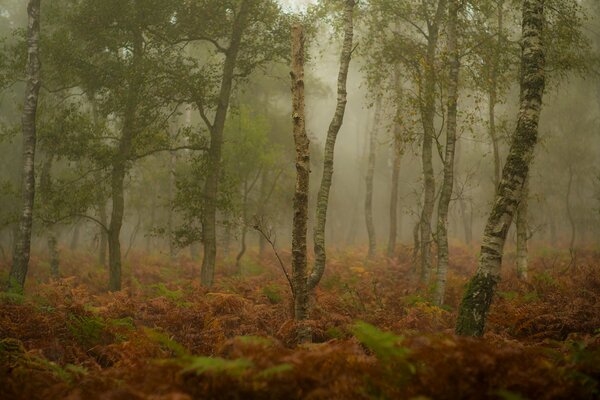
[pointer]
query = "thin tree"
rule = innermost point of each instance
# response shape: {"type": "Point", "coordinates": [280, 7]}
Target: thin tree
{"type": "Point", "coordinates": [448, 184]}
{"type": "Point", "coordinates": [480, 290]}
{"type": "Point", "coordinates": [334, 128]}
{"type": "Point", "coordinates": [300, 222]}
{"type": "Point", "coordinates": [369, 180]}
{"type": "Point", "coordinates": [18, 272]}
{"type": "Point", "coordinates": [216, 128]}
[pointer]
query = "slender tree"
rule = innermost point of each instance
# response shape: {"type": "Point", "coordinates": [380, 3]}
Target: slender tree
{"type": "Point", "coordinates": [480, 290]}
{"type": "Point", "coordinates": [369, 179]}
{"type": "Point", "coordinates": [18, 272]}
{"type": "Point", "coordinates": [448, 183]}
{"type": "Point", "coordinates": [332, 132]}
{"type": "Point", "coordinates": [300, 222]}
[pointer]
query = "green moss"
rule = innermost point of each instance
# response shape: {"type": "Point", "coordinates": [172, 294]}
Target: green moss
{"type": "Point", "coordinates": [475, 305]}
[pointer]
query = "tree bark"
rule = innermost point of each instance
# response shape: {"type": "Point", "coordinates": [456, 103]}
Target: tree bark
{"type": "Point", "coordinates": [369, 181]}
{"type": "Point", "coordinates": [398, 150]}
{"type": "Point", "coordinates": [46, 190]}
{"type": "Point", "coordinates": [119, 165]}
{"type": "Point", "coordinates": [20, 265]}
{"type": "Point", "coordinates": [480, 290]}
{"type": "Point", "coordinates": [570, 212]}
{"type": "Point", "coordinates": [522, 233]}
{"type": "Point", "coordinates": [101, 201]}
{"type": "Point", "coordinates": [300, 221]}
{"type": "Point", "coordinates": [213, 173]}
{"type": "Point", "coordinates": [427, 118]}
{"type": "Point", "coordinates": [448, 184]}
{"type": "Point", "coordinates": [493, 96]}
{"type": "Point", "coordinates": [334, 128]}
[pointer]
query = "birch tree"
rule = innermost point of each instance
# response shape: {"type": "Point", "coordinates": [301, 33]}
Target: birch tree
{"type": "Point", "coordinates": [451, 127]}
{"type": "Point", "coordinates": [481, 288]}
{"type": "Point", "coordinates": [20, 264]}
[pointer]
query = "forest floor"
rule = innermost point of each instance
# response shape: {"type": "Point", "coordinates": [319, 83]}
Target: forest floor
{"type": "Point", "coordinates": [166, 337]}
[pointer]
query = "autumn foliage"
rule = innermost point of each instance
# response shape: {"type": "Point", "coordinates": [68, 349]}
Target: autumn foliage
{"type": "Point", "coordinates": [375, 333]}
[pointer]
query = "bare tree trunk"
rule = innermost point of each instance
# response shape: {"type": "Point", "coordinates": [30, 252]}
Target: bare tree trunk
{"type": "Point", "coordinates": [171, 199]}
{"type": "Point", "coordinates": [570, 212]}
{"type": "Point", "coordinates": [369, 181]}
{"type": "Point", "coordinates": [493, 97]}
{"type": "Point", "coordinates": [393, 234]}
{"type": "Point", "coordinates": [334, 128]}
{"type": "Point", "coordinates": [448, 184]}
{"type": "Point", "coordinates": [523, 233]}
{"type": "Point", "coordinates": [238, 258]}
{"type": "Point", "coordinates": [103, 245]}
{"type": "Point", "coordinates": [300, 223]}
{"type": "Point", "coordinates": [20, 265]}
{"type": "Point", "coordinates": [262, 242]}
{"type": "Point", "coordinates": [427, 119]}
{"type": "Point", "coordinates": [480, 290]}
{"type": "Point", "coordinates": [213, 173]}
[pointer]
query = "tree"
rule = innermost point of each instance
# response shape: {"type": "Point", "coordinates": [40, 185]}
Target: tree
{"type": "Point", "coordinates": [480, 290]}
{"type": "Point", "coordinates": [332, 132]}
{"type": "Point", "coordinates": [369, 180]}
{"type": "Point", "coordinates": [448, 183]}
{"type": "Point", "coordinates": [18, 272]}
{"type": "Point", "coordinates": [299, 281]}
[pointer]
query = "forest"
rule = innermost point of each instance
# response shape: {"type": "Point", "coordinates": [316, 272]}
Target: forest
{"type": "Point", "coordinates": [299, 199]}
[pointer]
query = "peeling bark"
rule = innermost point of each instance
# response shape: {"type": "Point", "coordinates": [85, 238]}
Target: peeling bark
{"type": "Point", "coordinates": [20, 265]}
{"type": "Point", "coordinates": [300, 223]}
{"type": "Point", "coordinates": [448, 183]}
{"type": "Point", "coordinates": [478, 297]}
{"type": "Point", "coordinates": [427, 118]}
{"type": "Point", "coordinates": [523, 233]}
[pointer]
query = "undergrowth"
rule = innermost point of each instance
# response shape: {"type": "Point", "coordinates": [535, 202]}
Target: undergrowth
{"type": "Point", "coordinates": [375, 334]}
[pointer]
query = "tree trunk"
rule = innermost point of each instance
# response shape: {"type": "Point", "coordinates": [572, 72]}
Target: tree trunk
{"type": "Point", "coordinates": [427, 119]}
{"type": "Point", "coordinates": [21, 254]}
{"type": "Point", "coordinates": [103, 246]}
{"type": "Point", "coordinates": [75, 237]}
{"type": "Point", "coordinates": [238, 258]}
{"type": "Point", "coordinates": [369, 181]}
{"type": "Point", "coordinates": [493, 97]}
{"type": "Point", "coordinates": [171, 198]}
{"type": "Point", "coordinates": [522, 233]}
{"type": "Point", "coordinates": [570, 212]}
{"type": "Point", "coordinates": [448, 184]}
{"type": "Point", "coordinates": [100, 200]}
{"type": "Point", "coordinates": [300, 221]}
{"type": "Point", "coordinates": [480, 291]}
{"type": "Point", "coordinates": [467, 221]}
{"type": "Point", "coordinates": [211, 185]}
{"type": "Point", "coordinates": [119, 166]}
{"type": "Point", "coordinates": [53, 253]}
{"type": "Point", "coordinates": [334, 128]}
{"type": "Point", "coordinates": [393, 234]}
{"type": "Point", "coordinates": [262, 242]}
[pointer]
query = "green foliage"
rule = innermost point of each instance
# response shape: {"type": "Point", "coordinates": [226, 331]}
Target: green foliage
{"type": "Point", "coordinates": [87, 330]}
{"type": "Point", "coordinates": [273, 293]}
{"type": "Point", "coordinates": [216, 365]}
{"type": "Point", "coordinates": [385, 345]}
{"type": "Point", "coordinates": [167, 343]}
